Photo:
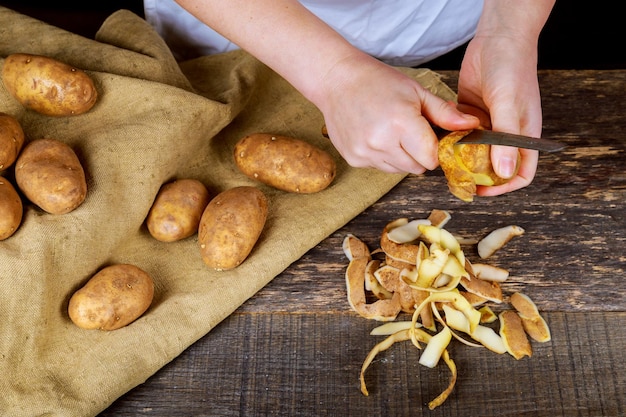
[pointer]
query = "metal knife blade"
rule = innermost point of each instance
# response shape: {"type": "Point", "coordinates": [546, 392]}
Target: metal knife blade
{"type": "Point", "coordinates": [490, 137]}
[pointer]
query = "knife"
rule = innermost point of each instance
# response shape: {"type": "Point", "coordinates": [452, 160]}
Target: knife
{"type": "Point", "coordinates": [490, 137]}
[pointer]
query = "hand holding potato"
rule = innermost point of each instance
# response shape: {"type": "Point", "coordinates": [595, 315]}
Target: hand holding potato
{"type": "Point", "coordinates": [498, 82]}
{"type": "Point", "coordinates": [378, 117]}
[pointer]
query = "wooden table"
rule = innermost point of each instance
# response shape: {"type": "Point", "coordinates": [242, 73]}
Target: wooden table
{"type": "Point", "coordinates": [296, 348]}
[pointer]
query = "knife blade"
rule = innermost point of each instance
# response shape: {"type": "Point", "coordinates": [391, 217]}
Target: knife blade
{"type": "Point", "coordinates": [490, 137]}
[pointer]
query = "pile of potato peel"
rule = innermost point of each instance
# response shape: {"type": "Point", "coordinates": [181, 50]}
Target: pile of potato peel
{"type": "Point", "coordinates": [421, 269]}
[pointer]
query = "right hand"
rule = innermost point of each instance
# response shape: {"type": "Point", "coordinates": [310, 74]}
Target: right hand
{"type": "Point", "coordinates": [380, 118]}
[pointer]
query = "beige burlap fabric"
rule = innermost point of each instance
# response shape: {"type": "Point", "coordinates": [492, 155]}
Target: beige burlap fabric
{"type": "Point", "coordinates": [155, 121]}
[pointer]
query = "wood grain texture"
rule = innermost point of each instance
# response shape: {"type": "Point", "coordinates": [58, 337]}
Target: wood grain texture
{"type": "Point", "coordinates": [296, 348]}
{"type": "Point", "coordinates": [309, 364]}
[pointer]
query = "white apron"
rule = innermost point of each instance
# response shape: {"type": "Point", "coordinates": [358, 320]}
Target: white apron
{"type": "Point", "coordinates": [399, 32]}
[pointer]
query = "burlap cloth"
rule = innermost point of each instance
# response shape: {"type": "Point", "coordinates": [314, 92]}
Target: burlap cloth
{"type": "Point", "coordinates": [156, 120]}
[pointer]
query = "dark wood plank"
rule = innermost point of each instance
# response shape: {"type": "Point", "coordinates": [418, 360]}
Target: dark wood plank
{"type": "Point", "coordinates": [298, 364]}
{"type": "Point", "coordinates": [295, 348]}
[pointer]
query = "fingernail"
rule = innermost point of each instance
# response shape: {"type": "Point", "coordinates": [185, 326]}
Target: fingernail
{"type": "Point", "coordinates": [505, 167]}
{"type": "Point", "coordinates": [469, 117]}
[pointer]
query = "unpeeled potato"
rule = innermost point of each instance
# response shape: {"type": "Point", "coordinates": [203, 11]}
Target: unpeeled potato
{"type": "Point", "coordinates": [466, 165]}
{"type": "Point", "coordinates": [51, 176]}
{"type": "Point", "coordinates": [11, 140]}
{"type": "Point", "coordinates": [231, 225]}
{"type": "Point", "coordinates": [11, 209]}
{"type": "Point", "coordinates": [48, 86]}
{"type": "Point", "coordinates": [286, 163]}
{"type": "Point", "coordinates": [177, 209]}
{"type": "Point", "coordinates": [113, 298]}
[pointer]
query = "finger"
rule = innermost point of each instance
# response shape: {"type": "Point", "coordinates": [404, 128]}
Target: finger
{"type": "Point", "coordinates": [504, 160]}
{"type": "Point", "coordinates": [423, 147]}
{"type": "Point", "coordinates": [445, 114]}
{"type": "Point", "coordinates": [400, 162]}
{"type": "Point", "coordinates": [525, 175]}
{"type": "Point", "coordinates": [482, 115]}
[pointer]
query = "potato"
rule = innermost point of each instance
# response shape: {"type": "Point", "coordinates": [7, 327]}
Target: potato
{"type": "Point", "coordinates": [11, 209]}
{"type": "Point", "coordinates": [113, 298]}
{"type": "Point", "coordinates": [48, 86]}
{"type": "Point", "coordinates": [11, 140]}
{"type": "Point", "coordinates": [177, 209]}
{"type": "Point", "coordinates": [285, 163]}
{"type": "Point", "coordinates": [231, 225]}
{"type": "Point", "coordinates": [466, 165]}
{"type": "Point", "coordinates": [50, 175]}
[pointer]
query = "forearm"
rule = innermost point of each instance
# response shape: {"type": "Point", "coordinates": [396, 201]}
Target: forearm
{"type": "Point", "coordinates": [281, 33]}
{"type": "Point", "coordinates": [376, 116]}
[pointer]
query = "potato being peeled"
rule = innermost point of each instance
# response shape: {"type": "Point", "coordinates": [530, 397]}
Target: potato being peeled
{"type": "Point", "coordinates": [11, 209]}
{"type": "Point", "coordinates": [11, 140]}
{"type": "Point", "coordinates": [48, 86]}
{"type": "Point", "coordinates": [466, 165]}
{"type": "Point", "coordinates": [231, 225]}
{"type": "Point", "coordinates": [113, 298]}
{"type": "Point", "coordinates": [177, 209]}
{"type": "Point", "coordinates": [50, 175]}
{"type": "Point", "coordinates": [286, 163]}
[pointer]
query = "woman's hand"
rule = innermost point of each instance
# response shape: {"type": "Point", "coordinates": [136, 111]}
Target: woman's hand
{"type": "Point", "coordinates": [498, 83]}
{"type": "Point", "coordinates": [380, 118]}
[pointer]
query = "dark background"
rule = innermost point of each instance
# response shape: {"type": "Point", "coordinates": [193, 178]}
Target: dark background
{"type": "Point", "coordinates": [579, 34]}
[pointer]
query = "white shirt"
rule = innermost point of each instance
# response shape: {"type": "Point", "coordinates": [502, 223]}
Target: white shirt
{"type": "Point", "coordinates": [399, 32]}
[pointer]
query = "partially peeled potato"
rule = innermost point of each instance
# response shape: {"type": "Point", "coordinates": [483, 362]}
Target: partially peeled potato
{"type": "Point", "coordinates": [466, 165]}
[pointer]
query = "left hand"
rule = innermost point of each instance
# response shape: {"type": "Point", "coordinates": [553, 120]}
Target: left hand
{"type": "Point", "coordinates": [498, 83]}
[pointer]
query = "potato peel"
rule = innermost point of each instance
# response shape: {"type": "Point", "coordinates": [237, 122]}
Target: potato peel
{"type": "Point", "coordinates": [435, 348]}
{"type": "Point", "coordinates": [439, 218]}
{"type": "Point", "coordinates": [496, 239]}
{"type": "Point", "coordinates": [392, 327]}
{"type": "Point", "coordinates": [534, 325]}
{"type": "Point", "coordinates": [405, 335]}
{"type": "Point", "coordinates": [488, 290]}
{"type": "Point", "coordinates": [372, 284]}
{"type": "Point", "coordinates": [380, 310]}
{"type": "Point", "coordinates": [354, 247]}
{"type": "Point", "coordinates": [460, 181]}
{"type": "Point", "coordinates": [513, 335]}
{"type": "Point", "coordinates": [488, 272]}
{"type": "Point", "coordinates": [426, 273]}
{"type": "Point", "coordinates": [408, 232]}
{"type": "Point", "coordinates": [398, 251]}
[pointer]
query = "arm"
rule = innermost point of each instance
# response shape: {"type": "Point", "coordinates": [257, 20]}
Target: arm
{"type": "Point", "coordinates": [376, 116]}
{"type": "Point", "coordinates": [498, 81]}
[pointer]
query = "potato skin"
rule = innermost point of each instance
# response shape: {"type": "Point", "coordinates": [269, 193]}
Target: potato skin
{"type": "Point", "coordinates": [113, 298]}
{"type": "Point", "coordinates": [177, 210]}
{"type": "Point", "coordinates": [11, 209]}
{"type": "Point", "coordinates": [48, 86]}
{"type": "Point", "coordinates": [477, 159]}
{"type": "Point", "coordinates": [50, 175]}
{"type": "Point", "coordinates": [231, 225]}
{"type": "Point", "coordinates": [11, 140]}
{"type": "Point", "coordinates": [286, 163]}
